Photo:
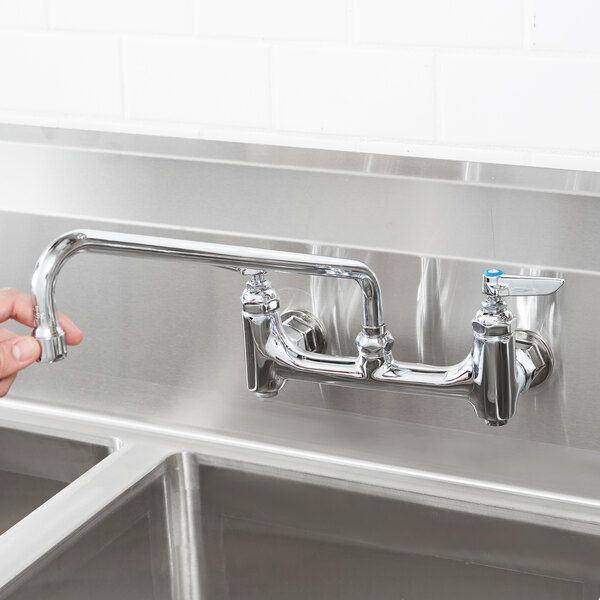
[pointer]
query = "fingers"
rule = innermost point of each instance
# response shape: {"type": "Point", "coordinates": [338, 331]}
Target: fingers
{"type": "Point", "coordinates": [17, 305]}
{"type": "Point", "coordinates": [5, 383]}
{"type": "Point", "coordinates": [73, 335]}
{"type": "Point", "coordinates": [6, 334]}
{"type": "Point", "coordinates": [16, 353]}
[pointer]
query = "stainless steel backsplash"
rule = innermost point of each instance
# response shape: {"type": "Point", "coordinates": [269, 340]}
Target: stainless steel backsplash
{"type": "Point", "coordinates": [428, 229]}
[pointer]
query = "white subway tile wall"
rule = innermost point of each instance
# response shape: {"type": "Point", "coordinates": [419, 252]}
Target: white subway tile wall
{"type": "Point", "coordinates": [308, 20]}
{"type": "Point", "coordinates": [512, 81]}
{"type": "Point", "coordinates": [75, 74]}
{"type": "Point", "coordinates": [197, 81]}
{"type": "Point", "coordinates": [123, 16]}
{"type": "Point", "coordinates": [514, 101]}
{"type": "Point", "coordinates": [472, 23]}
{"type": "Point", "coordinates": [347, 91]}
{"type": "Point", "coordinates": [23, 14]}
{"type": "Point", "coordinates": [566, 26]}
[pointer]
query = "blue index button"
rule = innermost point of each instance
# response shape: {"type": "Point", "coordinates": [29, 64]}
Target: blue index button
{"type": "Point", "coordinates": [493, 273]}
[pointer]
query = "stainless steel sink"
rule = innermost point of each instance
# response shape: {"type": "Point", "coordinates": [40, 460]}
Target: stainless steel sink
{"type": "Point", "coordinates": [34, 467]}
{"type": "Point", "coordinates": [197, 527]}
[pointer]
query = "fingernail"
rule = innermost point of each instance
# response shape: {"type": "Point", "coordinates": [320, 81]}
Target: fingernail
{"type": "Point", "coordinates": [25, 350]}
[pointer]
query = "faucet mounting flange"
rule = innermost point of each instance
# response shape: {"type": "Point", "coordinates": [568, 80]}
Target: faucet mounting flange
{"type": "Point", "coordinates": [304, 329]}
{"type": "Point", "coordinates": [535, 356]}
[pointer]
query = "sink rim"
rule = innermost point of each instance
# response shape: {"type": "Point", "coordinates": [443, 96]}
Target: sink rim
{"type": "Point", "coordinates": [141, 449]}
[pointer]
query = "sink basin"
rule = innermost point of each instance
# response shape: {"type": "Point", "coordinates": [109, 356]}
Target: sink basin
{"type": "Point", "coordinates": [196, 527]}
{"type": "Point", "coordinates": [34, 467]}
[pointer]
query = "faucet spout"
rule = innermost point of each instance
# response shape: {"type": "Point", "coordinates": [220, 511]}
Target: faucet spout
{"type": "Point", "coordinates": [47, 329]}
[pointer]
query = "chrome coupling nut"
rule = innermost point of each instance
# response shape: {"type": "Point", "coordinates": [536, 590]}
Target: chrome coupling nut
{"type": "Point", "coordinates": [374, 342]}
{"type": "Point", "coordinates": [256, 301]}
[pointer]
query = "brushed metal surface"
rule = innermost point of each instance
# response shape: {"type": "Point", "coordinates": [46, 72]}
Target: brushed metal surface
{"type": "Point", "coordinates": [180, 514]}
{"type": "Point", "coordinates": [485, 174]}
{"type": "Point", "coordinates": [166, 374]}
{"type": "Point", "coordinates": [203, 528]}
{"type": "Point", "coordinates": [494, 213]}
{"type": "Point", "coordinates": [34, 467]}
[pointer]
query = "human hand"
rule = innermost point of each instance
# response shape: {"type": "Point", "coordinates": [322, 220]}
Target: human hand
{"type": "Point", "coordinates": [19, 351]}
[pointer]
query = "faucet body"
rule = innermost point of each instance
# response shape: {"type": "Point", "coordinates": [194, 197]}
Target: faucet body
{"type": "Point", "coordinates": [491, 376]}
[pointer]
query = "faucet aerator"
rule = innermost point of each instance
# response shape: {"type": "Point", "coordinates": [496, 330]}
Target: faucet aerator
{"type": "Point", "coordinates": [54, 348]}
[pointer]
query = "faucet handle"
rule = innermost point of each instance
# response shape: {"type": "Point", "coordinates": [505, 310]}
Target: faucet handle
{"type": "Point", "coordinates": [496, 283]}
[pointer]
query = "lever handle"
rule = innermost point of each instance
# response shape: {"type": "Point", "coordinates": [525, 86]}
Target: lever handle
{"type": "Point", "coordinates": [496, 283]}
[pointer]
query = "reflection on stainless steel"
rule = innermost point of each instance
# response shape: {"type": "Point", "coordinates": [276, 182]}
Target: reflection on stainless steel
{"type": "Point", "coordinates": [431, 305]}
{"type": "Point", "coordinates": [491, 376]}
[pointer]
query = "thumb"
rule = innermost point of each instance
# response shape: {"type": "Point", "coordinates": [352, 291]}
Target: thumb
{"type": "Point", "coordinates": [18, 353]}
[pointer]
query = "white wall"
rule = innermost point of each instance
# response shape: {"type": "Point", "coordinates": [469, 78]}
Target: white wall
{"type": "Point", "coordinates": [515, 81]}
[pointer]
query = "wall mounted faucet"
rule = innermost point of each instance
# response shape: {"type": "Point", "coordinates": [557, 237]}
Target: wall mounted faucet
{"type": "Point", "coordinates": [501, 364]}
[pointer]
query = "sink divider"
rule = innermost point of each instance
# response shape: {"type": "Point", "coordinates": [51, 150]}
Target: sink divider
{"type": "Point", "coordinates": [183, 513]}
{"type": "Point", "coordinates": [66, 516]}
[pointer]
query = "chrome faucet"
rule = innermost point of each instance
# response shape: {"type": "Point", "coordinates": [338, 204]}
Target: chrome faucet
{"type": "Point", "coordinates": [501, 364]}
